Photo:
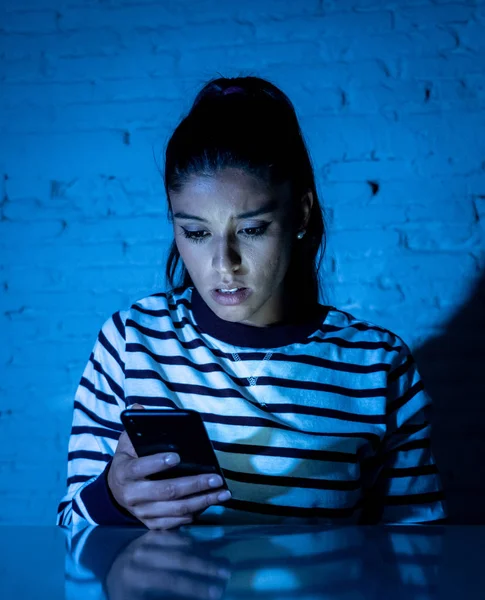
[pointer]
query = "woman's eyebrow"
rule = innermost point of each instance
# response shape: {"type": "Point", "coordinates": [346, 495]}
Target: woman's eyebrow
{"type": "Point", "coordinates": [269, 206]}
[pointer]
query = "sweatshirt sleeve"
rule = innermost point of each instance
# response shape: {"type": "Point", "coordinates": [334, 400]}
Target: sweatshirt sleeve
{"type": "Point", "coordinates": [96, 427]}
{"type": "Point", "coordinates": [408, 486]}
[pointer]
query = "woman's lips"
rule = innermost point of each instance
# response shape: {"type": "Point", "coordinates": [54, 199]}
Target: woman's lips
{"type": "Point", "coordinates": [231, 299]}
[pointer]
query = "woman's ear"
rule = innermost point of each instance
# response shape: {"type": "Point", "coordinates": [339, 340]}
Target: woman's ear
{"type": "Point", "coordinates": [306, 208]}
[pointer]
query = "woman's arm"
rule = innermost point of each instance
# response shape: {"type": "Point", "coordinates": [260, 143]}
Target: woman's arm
{"type": "Point", "coordinates": [407, 485]}
{"type": "Point", "coordinates": [96, 427]}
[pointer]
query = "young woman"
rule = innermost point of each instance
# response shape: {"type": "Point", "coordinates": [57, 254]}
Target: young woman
{"type": "Point", "coordinates": [313, 414]}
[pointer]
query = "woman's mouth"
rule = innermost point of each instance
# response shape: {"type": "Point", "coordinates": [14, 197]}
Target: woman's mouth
{"type": "Point", "coordinates": [230, 296]}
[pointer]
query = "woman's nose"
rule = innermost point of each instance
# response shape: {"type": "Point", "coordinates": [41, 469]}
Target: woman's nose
{"type": "Point", "coordinates": [226, 258]}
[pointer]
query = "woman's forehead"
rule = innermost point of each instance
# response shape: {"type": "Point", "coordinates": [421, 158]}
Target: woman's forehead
{"type": "Point", "coordinates": [230, 188]}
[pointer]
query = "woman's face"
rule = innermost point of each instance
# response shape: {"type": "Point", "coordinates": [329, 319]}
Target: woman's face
{"type": "Point", "coordinates": [232, 231]}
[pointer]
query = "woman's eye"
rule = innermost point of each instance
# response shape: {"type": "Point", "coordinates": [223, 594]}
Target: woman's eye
{"type": "Point", "coordinates": [194, 236]}
{"type": "Point", "coordinates": [248, 232]}
{"type": "Point", "coordinates": [255, 231]}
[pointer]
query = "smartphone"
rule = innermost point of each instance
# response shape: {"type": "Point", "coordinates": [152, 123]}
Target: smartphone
{"type": "Point", "coordinates": [182, 431]}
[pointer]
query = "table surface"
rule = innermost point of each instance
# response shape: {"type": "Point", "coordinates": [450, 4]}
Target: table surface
{"type": "Point", "coordinates": [240, 562]}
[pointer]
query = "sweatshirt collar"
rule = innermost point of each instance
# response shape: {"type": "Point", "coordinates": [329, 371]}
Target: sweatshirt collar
{"type": "Point", "coordinates": [240, 334]}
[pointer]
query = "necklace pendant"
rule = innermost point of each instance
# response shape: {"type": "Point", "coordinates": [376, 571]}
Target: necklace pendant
{"type": "Point", "coordinates": [252, 381]}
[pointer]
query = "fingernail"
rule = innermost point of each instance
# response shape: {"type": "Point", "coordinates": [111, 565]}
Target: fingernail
{"type": "Point", "coordinates": [225, 495]}
{"type": "Point", "coordinates": [215, 481]}
{"type": "Point", "coordinates": [172, 459]}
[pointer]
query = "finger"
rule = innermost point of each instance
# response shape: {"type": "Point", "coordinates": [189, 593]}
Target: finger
{"type": "Point", "coordinates": [163, 523]}
{"type": "Point", "coordinates": [176, 560]}
{"type": "Point", "coordinates": [179, 508]}
{"type": "Point", "coordinates": [149, 465]}
{"type": "Point", "coordinates": [137, 406]}
{"type": "Point", "coordinates": [161, 540]}
{"type": "Point", "coordinates": [176, 488]}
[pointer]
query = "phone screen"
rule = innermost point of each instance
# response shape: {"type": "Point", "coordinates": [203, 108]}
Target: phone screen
{"type": "Point", "coordinates": [181, 431]}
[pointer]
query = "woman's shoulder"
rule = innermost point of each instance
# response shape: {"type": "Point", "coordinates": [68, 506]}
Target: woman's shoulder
{"type": "Point", "coordinates": [170, 304]}
{"type": "Point", "coordinates": [346, 326]}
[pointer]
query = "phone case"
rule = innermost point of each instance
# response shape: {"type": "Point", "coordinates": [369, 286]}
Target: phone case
{"type": "Point", "coordinates": [182, 431]}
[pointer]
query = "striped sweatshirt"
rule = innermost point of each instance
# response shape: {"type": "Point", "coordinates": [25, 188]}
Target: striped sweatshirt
{"type": "Point", "coordinates": [334, 427]}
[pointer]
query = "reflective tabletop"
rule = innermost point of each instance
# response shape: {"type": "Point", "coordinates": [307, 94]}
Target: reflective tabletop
{"type": "Point", "coordinates": [270, 562]}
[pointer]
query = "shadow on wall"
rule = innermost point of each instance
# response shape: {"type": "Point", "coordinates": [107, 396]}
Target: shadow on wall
{"type": "Point", "coordinates": [453, 370]}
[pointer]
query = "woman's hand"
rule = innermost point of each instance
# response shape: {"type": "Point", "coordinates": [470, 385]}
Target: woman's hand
{"type": "Point", "coordinates": [162, 504]}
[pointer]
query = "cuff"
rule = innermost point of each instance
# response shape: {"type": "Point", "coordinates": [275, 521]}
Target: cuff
{"type": "Point", "coordinates": [102, 506]}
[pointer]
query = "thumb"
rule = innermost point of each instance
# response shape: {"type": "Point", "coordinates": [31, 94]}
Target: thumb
{"type": "Point", "coordinates": [137, 406]}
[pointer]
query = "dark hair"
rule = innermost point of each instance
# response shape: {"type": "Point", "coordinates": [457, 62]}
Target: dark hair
{"type": "Point", "coordinates": [248, 123]}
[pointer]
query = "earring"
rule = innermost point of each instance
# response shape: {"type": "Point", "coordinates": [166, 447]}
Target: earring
{"type": "Point", "coordinates": [300, 234]}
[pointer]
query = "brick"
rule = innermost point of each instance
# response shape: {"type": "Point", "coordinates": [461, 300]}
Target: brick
{"type": "Point", "coordinates": [46, 354]}
{"type": "Point", "coordinates": [370, 168]}
{"type": "Point", "coordinates": [143, 280]}
{"type": "Point", "coordinates": [449, 66]}
{"type": "Point", "coordinates": [122, 18]}
{"type": "Point", "coordinates": [436, 237]}
{"type": "Point", "coordinates": [29, 21]}
{"type": "Point", "coordinates": [345, 193]}
{"type": "Point", "coordinates": [44, 93]}
{"type": "Point", "coordinates": [37, 326]}
{"type": "Point", "coordinates": [33, 186]}
{"type": "Point", "coordinates": [396, 45]}
{"type": "Point", "coordinates": [470, 37]}
{"type": "Point", "coordinates": [14, 234]}
{"type": "Point", "coordinates": [63, 255]}
{"type": "Point", "coordinates": [340, 24]}
{"type": "Point", "coordinates": [21, 69]}
{"type": "Point", "coordinates": [369, 217]}
{"type": "Point", "coordinates": [402, 97]}
{"type": "Point", "coordinates": [440, 164]}
{"type": "Point", "coordinates": [410, 266]}
{"type": "Point", "coordinates": [452, 210]}
{"type": "Point", "coordinates": [428, 15]}
{"type": "Point", "coordinates": [33, 210]}
{"type": "Point", "coordinates": [21, 279]}
{"type": "Point", "coordinates": [365, 299]}
{"type": "Point", "coordinates": [361, 6]}
{"type": "Point", "coordinates": [325, 74]}
{"type": "Point", "coordinates": [131, 230]}
{"type": "Point", "coordinates": [121, 116]}
{"type": "Point", "coordinates": [316, 101]}
{"type": "Point", "coordinates": [66, 303]}
{"type": "Point", "coordinates": [450, 267]}
{"type": "Point", "coordinates": [251, 10]}
{"type": "Point", "coordinates": [11, 5]}
{"type": "Point", "coordinates": [360, 243]}
{"type": "Point", "coordinates": [105, 42]}
{"type": "Point", "coordinates": [379, 137]}
{"type": "Point", "coordinates": [101, 151]}
{"type": "Point", "coordinates": [125, 64]}
{"type": "Point", "coordinates": [256, 56]}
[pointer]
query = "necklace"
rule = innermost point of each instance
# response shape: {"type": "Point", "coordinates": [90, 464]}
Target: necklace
{"type": "Point", "coordinates": [254, 377]}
